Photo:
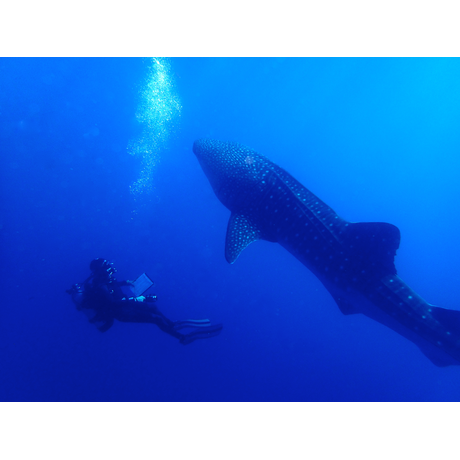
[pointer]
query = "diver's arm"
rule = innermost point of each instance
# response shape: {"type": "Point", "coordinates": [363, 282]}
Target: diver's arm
{"type": "Point", "coordinates": [125, 283]}
{"type": "Point", "coordinates": [106, 326]}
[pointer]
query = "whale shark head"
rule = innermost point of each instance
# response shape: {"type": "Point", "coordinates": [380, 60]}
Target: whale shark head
{"type": "Point", "coordinates": [234, 170]}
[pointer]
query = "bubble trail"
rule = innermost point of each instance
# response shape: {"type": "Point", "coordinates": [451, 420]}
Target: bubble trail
{"type": "Point", "coordinates": [158, 110]}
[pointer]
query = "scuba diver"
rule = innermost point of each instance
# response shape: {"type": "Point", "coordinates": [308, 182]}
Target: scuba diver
{"type": "Point", "coordinates": [102, 298]}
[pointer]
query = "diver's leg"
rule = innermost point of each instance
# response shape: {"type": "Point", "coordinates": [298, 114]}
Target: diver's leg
{"type": "Point", "coordinates": [134, 313]}
{"type": "Point", "coordinates": [168, 327]}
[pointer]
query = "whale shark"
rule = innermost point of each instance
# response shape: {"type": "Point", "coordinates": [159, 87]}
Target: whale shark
{"type": "Point", "coordinates": [354, 261]}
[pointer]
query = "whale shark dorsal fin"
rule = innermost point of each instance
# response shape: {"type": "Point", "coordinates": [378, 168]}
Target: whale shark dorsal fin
{"type": "Point", "coordinates": [375, 241]}
{"type": "Point", "coordinates": [241, 232]}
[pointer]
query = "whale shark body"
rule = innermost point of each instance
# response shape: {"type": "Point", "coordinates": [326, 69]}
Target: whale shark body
{"type": "Point", "coordinates": [354, 261]}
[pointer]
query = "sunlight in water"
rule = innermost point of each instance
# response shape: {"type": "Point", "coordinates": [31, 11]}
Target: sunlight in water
{"type": "Point", "coordinates": [158, 110]}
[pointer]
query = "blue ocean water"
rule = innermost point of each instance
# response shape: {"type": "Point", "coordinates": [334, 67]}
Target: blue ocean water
{"type": "Point", "coordinates": [97, 162]}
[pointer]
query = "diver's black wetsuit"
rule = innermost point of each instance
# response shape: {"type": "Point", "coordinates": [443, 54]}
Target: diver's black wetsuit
{"type": "Point", "coordinates": [107, 301]}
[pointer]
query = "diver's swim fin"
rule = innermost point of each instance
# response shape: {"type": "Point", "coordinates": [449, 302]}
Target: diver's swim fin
{"type": "Point", "coordinates": [191, 323]}
{"type": "Point", "coordinates": [205, 333]}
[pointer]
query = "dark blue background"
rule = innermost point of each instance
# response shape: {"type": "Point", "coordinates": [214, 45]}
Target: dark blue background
{"type": "Point", "coordinates": [376, 139]}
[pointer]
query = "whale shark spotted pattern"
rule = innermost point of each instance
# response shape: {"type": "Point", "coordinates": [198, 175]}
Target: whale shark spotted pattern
{"type": "Point", "coordinates": [354, 261]}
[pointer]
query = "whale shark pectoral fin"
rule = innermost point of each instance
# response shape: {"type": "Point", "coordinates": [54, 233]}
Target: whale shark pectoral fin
{"type": "Point", "coordinates": [241, 232]}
